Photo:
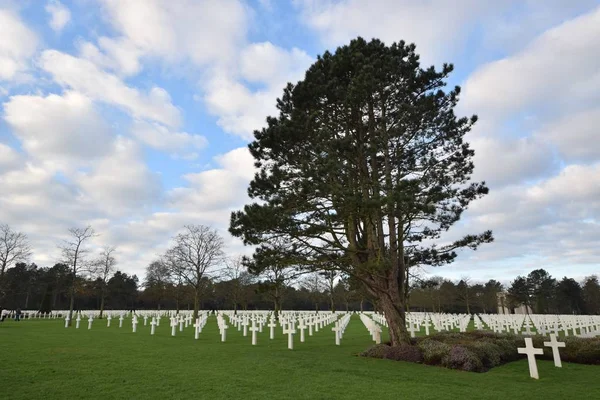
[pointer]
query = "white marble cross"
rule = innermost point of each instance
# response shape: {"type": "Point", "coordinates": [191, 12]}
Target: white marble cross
{"type": "Point", "coordinates": [90, 320]}
{"type": "Point", "coordinates": [245, 325]}
{"type": "Point", "coordinates": [145, 320]}
{"type": "Point", "coordinates": [411, 329]}
{"type": "Point", "coordinates": [181, 321]}
{"type": "Point", "coordinates": [302, 327]}
{"type": "Point", "coordinates": [108, 321]}
{"type": "Point", "coordinates": [134, 323]}
{"type": "Point", "coordinates": [223, 332]}
{"type": "Point", "coordinates": [337, 330]}
{"type": "Point", "coordinates": [121, 321]}
{"type": "Point", "coordinates": [153, 326]}
{"type": "Point", "coordinates": [531, 352]}
{"type": "Point", "coordinates": [197, 329]}
{"type": "Point", "coordinates": [272, 326]}
{"type": "Point", "coordinates": [254, 329]}
{"type": "Point", "coordinates": [67, 321]}
{"type": "Point", "coordinates": [555, 353]}
{"type": "Point", "coordinates": [290, 331]}
{"type": "Point", "coordinates": [427, 325]}
{"type": "Point", "coordinates": [77, 321]}
{"type": "Point", "coordinates": [528, 328]}
{"type": "Point", "coordinates": [173, 326]}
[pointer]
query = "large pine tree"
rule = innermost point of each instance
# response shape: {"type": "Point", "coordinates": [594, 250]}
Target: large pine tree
{"type": "Point", "coordinates": [362, 171]}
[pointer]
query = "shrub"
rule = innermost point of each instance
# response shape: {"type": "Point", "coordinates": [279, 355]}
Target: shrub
{"type": "Point", "coordinates": [433, 351]}
{"type": "Point", "coordinates": [507, 350]}
{"type": "Point", "coordinates": [462, 358]}
{"type": "Point", "coordinates": [580, 350]}
{"type": "Point", "coordinates": [377, 351]}
{"type": "Point", "coordinates": [487, 352]}
{"type": "Point", "coordinates": [404, 353]}
{"type": "Point", "coordinates": [479, 351]}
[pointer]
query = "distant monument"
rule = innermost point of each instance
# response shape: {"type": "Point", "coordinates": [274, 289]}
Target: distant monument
{"type": "Point", "coordinates": [504, 309]}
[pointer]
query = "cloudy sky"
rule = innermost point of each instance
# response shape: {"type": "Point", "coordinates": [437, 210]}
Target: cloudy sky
{"type": "Point", "coordinates": [134, 115]}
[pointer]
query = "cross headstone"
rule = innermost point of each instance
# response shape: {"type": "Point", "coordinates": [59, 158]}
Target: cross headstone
{"type": "Point", "coordinates": [411, 328]}
{"type": "Point", "coordinates": [272, 326]}
{"type": "Point", "coordinates": [108, 321]}
{"type": "Point", "coordinates": [290, 331]}
{"type": "Point", "coordinates": [555, 353]}
{"type": "Point", "coordinates": [531, 352]}
{"type": "Point", "coordinates": [197, 329]}
{"type": "Point", "coordinates": [67, 321]}
{"type": "Point", "coordinates": [254, 329]}
{"type": "Point", "coordinates": [223, 332]}
{"type": "Point", "coordinates": [427, 325]}
{"type": "Point", "coordinates": [337, 330]}
{"type": "Point", "coordinates": [145, 320]}
{"type": "Point", "coordinates": [173, 326]}
{"type": "Point", "coordinates": [90, 320]}
{"type": "Point", "coordinates": [134, 323]}
{"type": "Point", "coordinates": [77, 321]}
{"type": "Point", "coordinates": [121, 321]}
{"type": "Point", "coordinates": [153, 326]}
{"type": "Point", "coordinates": [245, 325]}
{"type": "Point", "coordinates": [302, 327]}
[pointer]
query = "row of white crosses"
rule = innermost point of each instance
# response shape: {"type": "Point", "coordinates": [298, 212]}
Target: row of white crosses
{"type": "Point", "coordinates": [537, 324]}
{"type": "Point", "coordinates": [290, 322]}
{"type": "Point", "coordinates": [372, 327]}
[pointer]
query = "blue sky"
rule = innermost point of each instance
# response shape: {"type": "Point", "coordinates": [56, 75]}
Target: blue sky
{"type": "Point", "coordinates": [134, 116]}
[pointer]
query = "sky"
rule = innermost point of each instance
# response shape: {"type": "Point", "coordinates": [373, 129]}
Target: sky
{"type": "Point", "coordinates": [133, 116]}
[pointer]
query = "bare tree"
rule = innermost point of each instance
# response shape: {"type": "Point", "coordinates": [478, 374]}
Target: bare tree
{"type": "Point", "coordinates": [101, 269]}
{"type": "Point", "coordinates": [314, 283]}
{"type": "Point", "coordinates": [73, 254]}
{"type": "Point", "coordinates": [239, 277]}
{"type": "Point", "coordinates": [14, 247]}
{"type": "Point", "coordinates": [464, 291]}
{"type": "Point", "coordinates": [194, 256]}
{"type": "Point", "coordinates": [158, 281]}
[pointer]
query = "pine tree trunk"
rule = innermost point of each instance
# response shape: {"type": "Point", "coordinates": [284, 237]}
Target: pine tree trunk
{"type": "Point", "coordinates": [395, 317]}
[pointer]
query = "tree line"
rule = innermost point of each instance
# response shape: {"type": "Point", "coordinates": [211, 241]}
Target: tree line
{"type": "Point", "coordinates": [238, 284]}
{"type": "Point", "coordinates": [539, 291]}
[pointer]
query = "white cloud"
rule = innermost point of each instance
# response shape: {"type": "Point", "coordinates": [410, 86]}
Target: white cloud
{"type": "Point", "coordinates": [118, 56]}
{"type": "Point", "coordinates": [58, 130]}
{"type": "Point", "coordinates": [17, 45]}
{"type": "Point", "coordinates": [85, 77]}
{"type": "Point", "coordinates": [241, 110]}
{"type": "Point", "coordinates": [556, 67]}
{"type": "Point", "coordinates": [9, 159]}
{"type": "Point", "coordinates": [267, 63]}
{"type": "Point", "coordinates": [219, 189]}
{"type": "Point", "coordinates": [120, 183]}
{"type": "Point", "coordinates": [507, 161]}
{"type": "Point", "coordinates": [202, 32]}
{"type": "Point", "coordinates": [180, 144]}
{"type": "Point", "coordinates": [574, 135]}
{"type": "Point", "coordinates": [59, 15]}
{"type": "Point", "coordinates": [437, 28]}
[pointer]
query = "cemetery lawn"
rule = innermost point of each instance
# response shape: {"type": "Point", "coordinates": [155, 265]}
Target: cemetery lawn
{"type": "Point", "coordinates": [40, 359]}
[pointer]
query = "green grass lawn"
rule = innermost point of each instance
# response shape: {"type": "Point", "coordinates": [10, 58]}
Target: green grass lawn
{"type": "Point", "coordinates": [40, 359]}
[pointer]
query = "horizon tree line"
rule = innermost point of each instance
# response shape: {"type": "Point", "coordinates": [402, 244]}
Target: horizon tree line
{"type": "Point", "coordinates": [194, 273]}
